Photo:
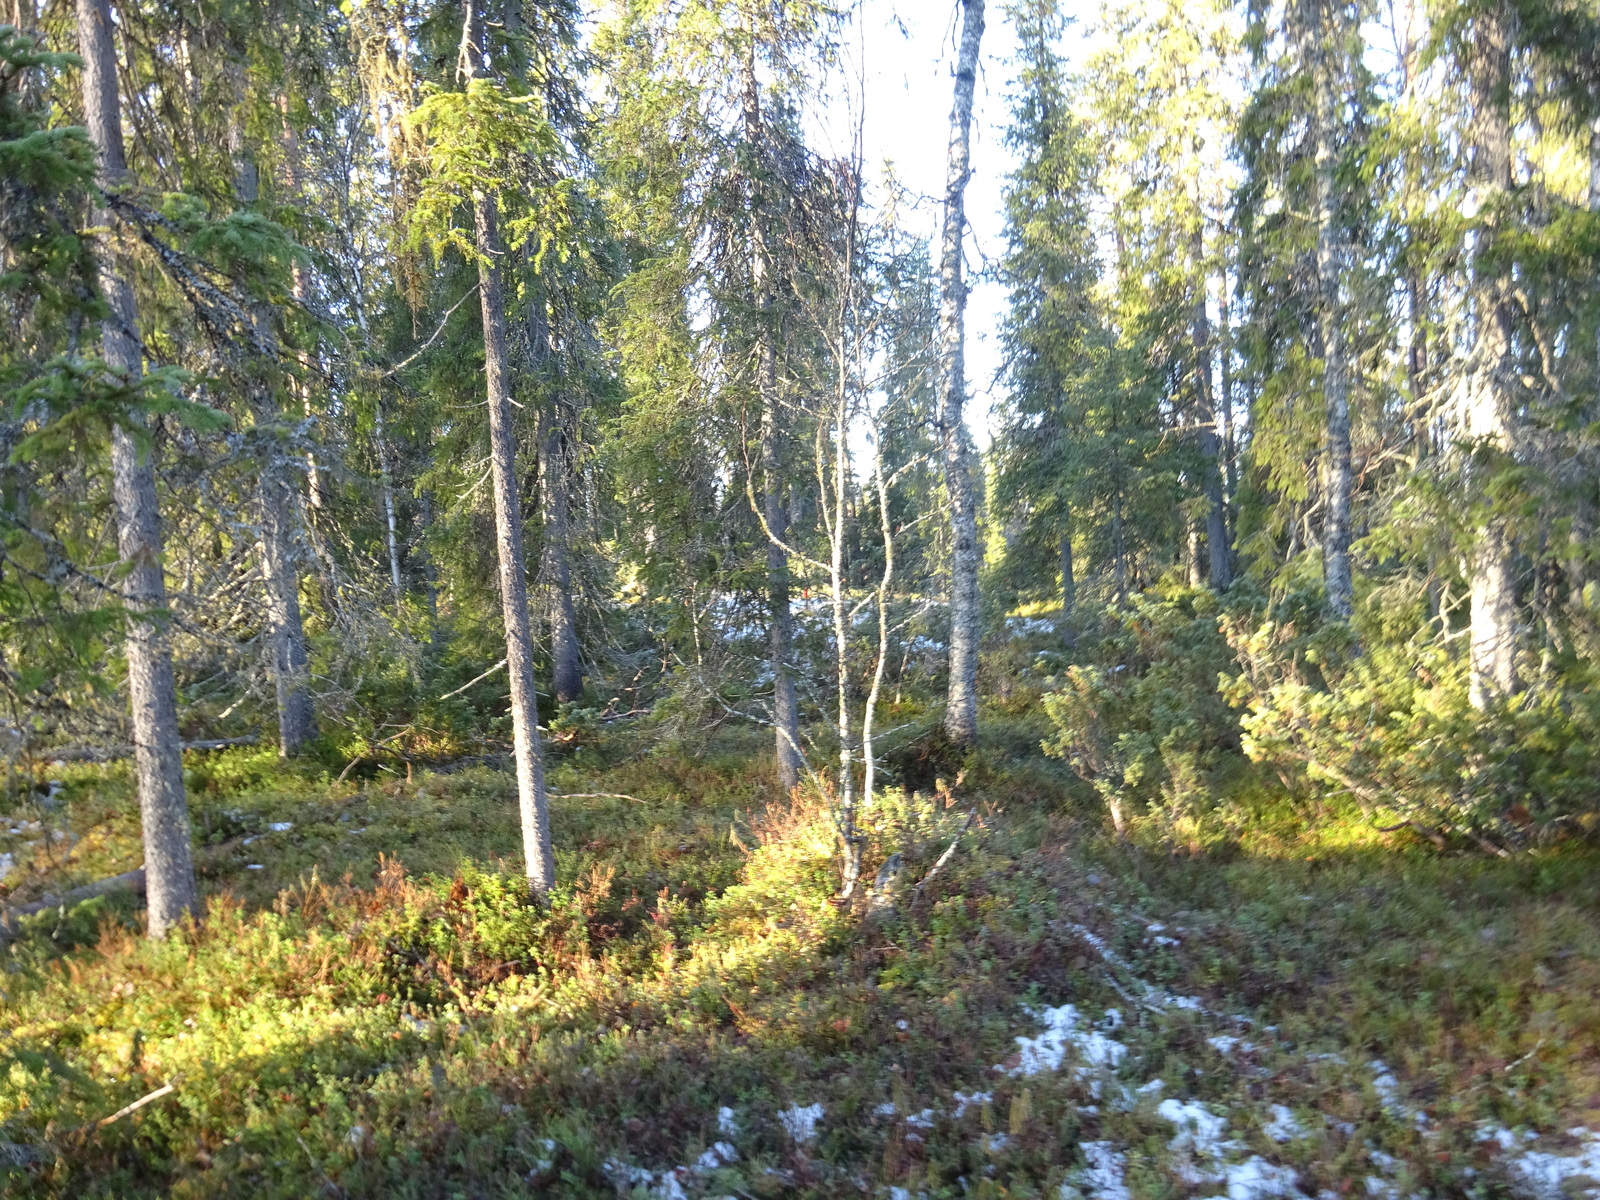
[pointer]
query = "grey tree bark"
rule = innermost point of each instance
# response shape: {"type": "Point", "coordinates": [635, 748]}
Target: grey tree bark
{"type": "Point", "coordinates": [961, 708]}
{"type": "Point", "coordinates": [297, 720]}
{"type": "Point", "coordinates": [275, 509]}
{"type": "Point", "coordinates": [1220, 552]}
{"type": "Point", "coordinates": [1069, 590]}
{"type": "Point", "coordinates": [158, 756]}
{"type": "Point", "coordinates": [533, 803]}
{"type": "Point", "coordinates": [780, 628]}
{"type": "Point", "coordinates": [1488, 416]}
{"type": "Point", "coordinates": [554, 482]}
{"type": "Point", "coordinates": [1323, 49]}
{"type": "Point", "coordinates": [386, 494]}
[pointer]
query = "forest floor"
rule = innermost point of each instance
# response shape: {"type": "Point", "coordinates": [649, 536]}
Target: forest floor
{"type": "Point", "coordinates": [370, 1009]}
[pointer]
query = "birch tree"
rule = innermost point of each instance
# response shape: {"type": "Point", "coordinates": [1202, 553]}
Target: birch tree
{"type": "Point", "coordinates": [961, 705]}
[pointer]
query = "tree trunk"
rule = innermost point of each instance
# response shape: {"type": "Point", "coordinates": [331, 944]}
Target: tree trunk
{"type": "Point", "coordinates": [158, 755]}
{"type": "Point", "coordinates": [961, 710]}
{"type": "Point", "coordinates": [301, 287]}
{"type": "Point", "coordinates": [1323, 47]}
{"type": "Point", "coordinates": [1069, 590]}
{"type": "Point", "coordinates": [534, 805]}
{"type": "Point", "coordinates": [297, 721]}
{"type": "Point", "coordinates": [566, 665]}
{"type": "Point", "coordinates": [1220, 560]}
{"type": "Point", "coordinates": [1489, 418]}
{"type": "Point", "coordinates": [780, 629]}
{"type": "Point", "coordinates": [297, 724]}
{"type": "Point", "coordinates": [386, 493]}
{"type": "Point", "coordinates": [1230, 457]}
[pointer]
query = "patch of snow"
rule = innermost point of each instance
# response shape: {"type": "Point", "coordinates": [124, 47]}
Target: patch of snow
{"type": "Point", "coordinates": [1153, 1088]}
{"type": "Point", "coordinates": [1106, 1176]}
{"type": "Point", "coordinates": [281, 826]}
{"type": "Point", "coordinates": [902, 1025]}
{"type": "Point", "coordinates": [1225, 1044]}
{"type": "Point", "coordinates": [1388, 1089]}
{"type": "Point", "coordinates": [801, 1123]}
{"type": "Point", "coordinates": [357, 1135]}
{"type": "Point", "coordinates": [1199, 1129]}
{"type": "Point", "coordinates": [1065, 1031]}
{"type": "Point", "coordinates": [1384, 1162]}
{"type": "Point", "coordinates": [1283, 1127]}
{"type": "Point", "coordinates": [1188, 1003]}
{"type": "Point", "coordinates": [1201, 1148]}
{"type": "Point", "coordinates": [921, 1120]}
{"type": "Point", "coordinates": [1257, 1179]}
{"type": "Point", "coordinates": [720, 1154]}
{"type": "Point", "coordinates": [727, 1123]}
{"type": "Point", "coordinates": [254, 867]}
{"type": "Point", "coordinates": [627, 1173]}
{"type": "Point", "coordinates": [1166, 941]}
{"type": "Point", "coordinates": [899, 1193]}
{"type": "Point", "coordinates": [1500, 1135]}
{"type": "Point", "coordinates": [1540, 1175]}
{"type": "Point", "coordinates": [996, 1142]}
{"type": "Point", "coordinates": [965, 1100]}
{"type": "Point", "coordinates": [8, 864]}
{"type": "Point", "coordinates": [886, 1109]}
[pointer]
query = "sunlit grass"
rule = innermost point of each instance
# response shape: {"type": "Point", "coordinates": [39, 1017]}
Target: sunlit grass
{"type": "Point", "coordinates": [379, 1013]}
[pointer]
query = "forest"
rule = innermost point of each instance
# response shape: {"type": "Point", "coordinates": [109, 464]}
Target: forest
{"type": "Point", "coordinates": [569, 626]}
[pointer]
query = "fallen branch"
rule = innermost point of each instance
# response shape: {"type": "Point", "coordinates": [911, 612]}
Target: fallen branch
{"type": "Point", "coordinates": [471, 682]}
{"type": "Point", "coordinates": [165, 1089]}
{"type": "Point", "coordinates": [102, 754]}
{"type": "Point", "coordinates": [595, 796]}
{"type": "Point", "coordinates": [127, 881]}
{"type": "Point", "coordinates": [972, 815]}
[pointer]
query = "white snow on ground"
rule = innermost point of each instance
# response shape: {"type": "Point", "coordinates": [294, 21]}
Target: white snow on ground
{"type": "Point", "coordinates": [1201, 1150]}
{"type": "Point", "coordinates": [8, 864]}
{"type": "Point", "coordinates": [720, 1154]}
{"type": "Point", "coordinates": [1283, 1127]}
{"type": "Point", "coordinates": [1388, 1089]}
{"type": "Point", "coordinates": [1199, 1129]}
{"type": "Point", "coordinates": [886, 1109]}
{"type": "Point", "coordinates": [966, 1100]}
{"type": "Point", "coordinates": [1025, 626]}
{"type": "Point", "coordinates": [1105, 1177]}
{"type": "Point", "coordinates": [1066, 1031]}
{"type": "Point", "coordinates": [921, 1120]}
{"type": "Point", "coordinates": [1541, 1175]}
{"type": "Point", "coordinates": [801, 1123]}
{"type": "Point", "coordinates": [281, 826]}
{"type": "Point", "coordinates": [727, 1123]}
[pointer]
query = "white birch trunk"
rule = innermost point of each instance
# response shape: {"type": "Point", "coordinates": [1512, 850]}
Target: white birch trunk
{"type": "Point", "coordinates": [961, 710]}
{"type": "Point", "coordinates": [1488, 417]}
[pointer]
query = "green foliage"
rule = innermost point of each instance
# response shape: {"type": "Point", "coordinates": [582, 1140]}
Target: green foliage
{"type": "Point", "coordinates": [488, 141]}
{"type": "Point", "coordinates": [1139, 715]}
{"type": "Point", "coordinates": [380, 1009]}
{"type": "Point", "coordinates": [1379, 709]}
